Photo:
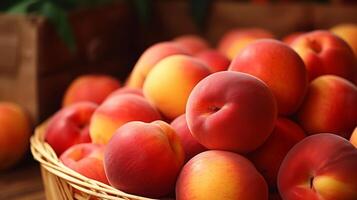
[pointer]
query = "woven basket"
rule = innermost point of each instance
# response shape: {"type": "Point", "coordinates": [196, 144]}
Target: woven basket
{"type": "Point", "coordinates": [62, 183]}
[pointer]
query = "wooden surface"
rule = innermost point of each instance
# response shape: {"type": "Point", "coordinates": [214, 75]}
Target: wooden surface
{"type": "Point", "coordinates": [22, 183]}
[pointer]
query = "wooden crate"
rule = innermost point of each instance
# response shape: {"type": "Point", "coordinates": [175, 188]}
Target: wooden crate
{"type": "Point", "coordinates": [173, 18]}
{"type": "Point", "coordinates": [36, 66]}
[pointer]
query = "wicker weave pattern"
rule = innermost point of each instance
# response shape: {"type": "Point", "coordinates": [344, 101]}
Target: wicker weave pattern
{"type": "Point", "coordinates": [63, 183]}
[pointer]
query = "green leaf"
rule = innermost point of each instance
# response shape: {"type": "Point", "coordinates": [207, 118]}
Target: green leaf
{"type": "Point", "coordinates": [58, 18]}
{"type": "Point", "coordinates": [22, 7]}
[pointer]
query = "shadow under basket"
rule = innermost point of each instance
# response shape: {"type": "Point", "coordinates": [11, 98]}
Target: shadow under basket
{"type": "Point", "coordinates": [62, 183]}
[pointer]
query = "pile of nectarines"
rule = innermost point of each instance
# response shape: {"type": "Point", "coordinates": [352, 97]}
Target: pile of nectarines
{"type": "Point", "coordinates": [255, 119]}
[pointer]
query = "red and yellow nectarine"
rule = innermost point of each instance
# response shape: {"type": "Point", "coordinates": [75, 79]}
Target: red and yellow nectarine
{"type": "Point", "coordinates": [325, 53]}
{"type": "Point", "coordinates": [193, 44]}
{"type": "Point", "coordinates": [348, 32]}
{"type": "Point", "coordinates": [115, 112]}
{"type": "Point", "coordinates": [320, 167]}
{"type": "Point", "coordinates": [170, 82]}
{"type": "Point", "coordinates": [149, 59]}
{"type": "Point", "coordinates": [235, 40]}
{"type": "Point", "coordinates": [15, 131]}
{"type": "Point", "coordinates": [86, 159]}
{"type": "Point", "coordinates": [231, 111]}
{"type": "Point", "coordinates": [279, 67]}
{"type": "Point", "coordinates": [144, 158]}
{"type": "Point", "coordinates": [220, 175]}
{"type": "Point", "coordinates": [93, 88]}
{"type": "Point", "coordinates": [329, 107]}
{"type": "Point", "coordinates": [69, 126]}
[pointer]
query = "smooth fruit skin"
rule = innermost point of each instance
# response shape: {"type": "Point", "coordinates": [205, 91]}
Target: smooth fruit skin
{"type": "Point", "coordinates": [93, 88]}
{"type": "Point", "coordinates": [280, 67]}
{"type": "Point", "coordinates": [289, 39]}
{"type": "Point", "coordinates": [144, 159]}
{"type": "Point", "coordinates": [325, 53]}
{"type": "Point", "coordinates": [320, 167]}
{"type": "Point", "coordinates": [268, 157]}
{"type": "Point", "coordinates": [116, 111]}
{"type": "Point", "coordinates": [126, 90]}
{"type": "Point", "coordinates": [69, 126]}
{"type": "Point", "coordinates": [218, 175]}
{"type": "Point", "coordinates": [171, 81]}
{"type": "Point", "coordinates": [348, 32]}
{"type": "Point", "coordinates": [189, 143]}
{"type": "Point", "coordinates": [353, 138]}
{"type": "Point", "coordinates": [86, 159]}
{"type": "Point", "coordinates": [330, 106]}
{"type": "Point", "coordinates": [149, 59]}
{"type": "Point", "coordinates": [193, 44]}
{"type": "Point", "coordinates": [237, 39]}
{"type": "Point", "coordinates": [231, 111]}
{"type": "Point", "coordinates": [214, 59]}
{"type": "Point", "coordinates": [15, 131]}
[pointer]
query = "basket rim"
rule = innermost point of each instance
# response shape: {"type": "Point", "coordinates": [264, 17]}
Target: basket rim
{"type": "Point", "coordinates": [43, 153]}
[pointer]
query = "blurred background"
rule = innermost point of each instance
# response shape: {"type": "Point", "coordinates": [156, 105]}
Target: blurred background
{"type": "Point", "coordinates": [46, 44]}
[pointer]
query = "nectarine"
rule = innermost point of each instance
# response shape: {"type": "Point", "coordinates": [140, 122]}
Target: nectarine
{"type": "Point", "coordinates": [86, 159]}
{"type": "Point", "coordinates": [193, 44]}
{"type": "Point", "coordinates": [348, 32]}
{"type": "Point", "coordinates": [279, 67]}
{"type": "Point", "coordinates": [289, 39]}
{"type": "Point", "coordinates": [69, 126]}
{"type": "Point", "coordinates": [126, 90]}
{"type": "Point", "coordinates": [325, 53]}
{"type": "Point", "coordinates": [219, 175]}
{"type": "Point", "coordinates": [170, 82]}
{"type": "Point", "coordinates": [231, 111]}
{"type": "Point", "coordinates": [320, 167]}
{"type": "Point", "coordinates": [214, 59]}
{"type": "Point", "coordinates": [189, 143]}
{"type": "Point", "coordinates": [94, 88]}
{"type": "Point", "coordinates": [268, 157]}
{"type": "Point", "coordinates": [116, 111]}
{"type": "Point", "coordinates": [144, 158]}
{"type": "Point", "coordinates": [235, 40]}
{"type": "Point", "coordinates": [15, 131]}
{"type": "Point", "coordinates": [330, 106]}
{"type": "Point", "coordinates": [149, 59]}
